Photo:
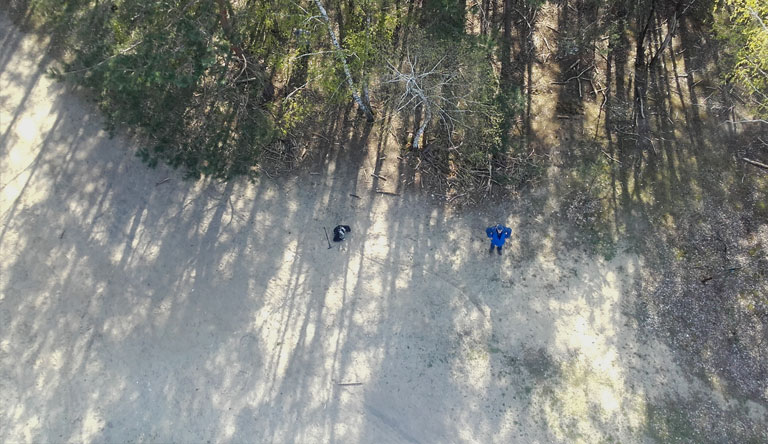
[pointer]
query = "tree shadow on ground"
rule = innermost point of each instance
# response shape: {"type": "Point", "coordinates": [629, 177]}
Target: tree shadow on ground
{"type": "Point", "coordinates": [689, 205]}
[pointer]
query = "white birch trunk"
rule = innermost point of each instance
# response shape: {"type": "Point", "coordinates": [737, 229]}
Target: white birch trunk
{"type": "Point", "coordinates": [340, 53]}
{"type": "Point", "coordinates": [425, 122]}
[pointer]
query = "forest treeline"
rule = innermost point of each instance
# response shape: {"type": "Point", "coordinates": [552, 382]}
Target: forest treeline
{"type": "Point", "coordinates": [214, 84]}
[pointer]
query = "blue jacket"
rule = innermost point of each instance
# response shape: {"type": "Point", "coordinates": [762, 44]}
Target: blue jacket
{"type": "Point", "coordinates": [496, 238]}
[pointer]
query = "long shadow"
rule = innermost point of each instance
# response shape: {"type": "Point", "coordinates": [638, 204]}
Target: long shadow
{"type": "Point", "coordinates": [697, 220]}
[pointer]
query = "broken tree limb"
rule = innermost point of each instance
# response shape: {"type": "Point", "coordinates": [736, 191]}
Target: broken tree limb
{"type": "Point", "coordinates": [671, 28]}
{"type": "Point", "coordinates": [611, 157]}
{"type": "Point", "coordinates": [343, 58]}
{"type": "Point", "coordinates": [755, 163]}
{"type": "Point", "coordinates": [490, 173]}
{"type": "Point", "coordinates": [747, 121]}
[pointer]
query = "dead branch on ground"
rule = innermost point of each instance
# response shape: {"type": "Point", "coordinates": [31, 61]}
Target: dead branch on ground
{"type": "Point", "coordinates": [755, 163]}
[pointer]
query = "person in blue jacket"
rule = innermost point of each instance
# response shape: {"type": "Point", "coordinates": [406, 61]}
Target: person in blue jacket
{"type": "Point", "coordinates": [498, 235]}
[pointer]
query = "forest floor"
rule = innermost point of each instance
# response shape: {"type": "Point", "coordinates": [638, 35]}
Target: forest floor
{"type": "Point", "coordinates": [135, 306]}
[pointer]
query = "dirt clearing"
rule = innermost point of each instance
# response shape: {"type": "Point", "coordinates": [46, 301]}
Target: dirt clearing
{"type": "Point", "coordinates": [135, 308]}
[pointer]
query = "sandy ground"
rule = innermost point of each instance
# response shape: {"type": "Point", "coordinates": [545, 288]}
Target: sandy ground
{"type": "Point", "coordinates": [135, 310]}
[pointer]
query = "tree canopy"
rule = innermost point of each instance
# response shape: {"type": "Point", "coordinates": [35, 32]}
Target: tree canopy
{"type": "Point", "coordinates": [743, 24]}
{"type": "Point", "coordinates": [214, 84]}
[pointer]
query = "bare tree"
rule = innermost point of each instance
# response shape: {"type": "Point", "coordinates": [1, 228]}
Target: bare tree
{"type": "Point", "coordinates": [431, 90]}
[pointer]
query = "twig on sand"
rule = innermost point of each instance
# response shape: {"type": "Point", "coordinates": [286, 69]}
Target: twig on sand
{"type": "Point", "coordinates": [387, 193]}
{"type": "Point", "coordinates": [163, 181]}
{"type": "Point", "coordinates": [379, 177]}
{"type": "Point", "coordinates": [355, 195]}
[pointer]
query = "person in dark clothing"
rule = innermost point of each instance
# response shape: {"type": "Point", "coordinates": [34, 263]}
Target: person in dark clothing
{"type": "Point", "coordinates": [498, 235]}
{"type": "Point", "coordinates": [340, 232]}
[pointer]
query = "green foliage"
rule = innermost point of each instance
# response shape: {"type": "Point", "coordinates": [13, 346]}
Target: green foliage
{"type": "Point", "coordinates": [168, 68]}
{"type": "Point", "coordinates": [176, 70]}
{"type": "Point", "coordinates": [272, 29]}
{"type": "Point", "coordinates": [444, 18]}
{"type": "Point", "coordinates": [743, 26]}
{"type": "Point", "coordinates": [369, 40]}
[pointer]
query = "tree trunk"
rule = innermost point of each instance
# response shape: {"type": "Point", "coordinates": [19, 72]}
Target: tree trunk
{"type": "Point", "coordinates": [340, 53]}
{"type": "Point", "coordinates": [225, 10]}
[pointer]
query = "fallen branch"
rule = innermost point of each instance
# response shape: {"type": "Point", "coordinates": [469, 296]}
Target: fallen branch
{"type": "Point", "coordinates": [611, 157]}
{"type": "Point", "coordinates": [546, 43]}
{"type": "Point", "coordinates": [387, 193]}
{"type": "Point", "coordinates": [379, 177]}
{"type": "Point", "coordinates": [250, 79]}
{"type": "Point", "coordinates": [600, 112]}
{"type": "Point", "coordinates": [355, 196]}
{"type": "Point", "coordinates": [748, 121]}
{"type": "Point", "coordinates": [295, 91]}
{"type": "Point", "coordinates": [490, 173]}
{"type": "Point", "coordinates": [121, 52]}
{"type": "Point", "coordinates": [755, 163]}
{"type": "Point", "coordinates": [727, 270]}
